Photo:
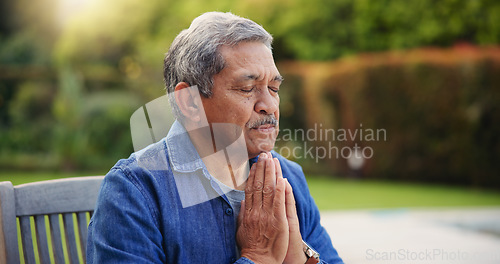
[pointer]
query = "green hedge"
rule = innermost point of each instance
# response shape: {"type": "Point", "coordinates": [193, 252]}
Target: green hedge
{"type": "Point", "coordinates": [440, 110]}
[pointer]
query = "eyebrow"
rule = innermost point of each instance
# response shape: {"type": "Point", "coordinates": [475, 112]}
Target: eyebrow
{"type": "Point", "coordinates": [277, 78]}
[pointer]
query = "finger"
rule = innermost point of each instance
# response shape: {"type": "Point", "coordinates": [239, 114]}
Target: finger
{"type": "Point", "coordinates": [258, 182]}
{"type": "Point", "coordinates": [279, 209]}
{"type": "Point", "coordinates": [279, 173]}
{"type": "Point", "coordinates": [269, 185]}
{"type": "Point", "coordinates": [242, 213]}
{"type": "Point", "coordinates": [248, 188]}
{"type": "Point", "coordinates": [291, 209]}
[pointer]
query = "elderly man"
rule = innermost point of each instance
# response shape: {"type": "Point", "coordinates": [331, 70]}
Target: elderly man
{"type": "Point", "coordinates": [191, 197]}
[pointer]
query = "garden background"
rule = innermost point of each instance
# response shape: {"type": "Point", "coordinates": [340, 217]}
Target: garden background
{"type": "Point", "coordinates": [427, 72]}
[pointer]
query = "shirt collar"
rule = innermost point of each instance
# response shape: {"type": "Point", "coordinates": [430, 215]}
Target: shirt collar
{"type": "Point", "coordinates": [181, 151]}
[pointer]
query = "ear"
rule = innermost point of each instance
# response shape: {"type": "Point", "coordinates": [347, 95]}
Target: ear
{"type": "Point", "coordinates": [188, 102]}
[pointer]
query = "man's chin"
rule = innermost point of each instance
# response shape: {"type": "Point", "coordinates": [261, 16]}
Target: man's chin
{"type": "Point", "coordinates": [262, 147]}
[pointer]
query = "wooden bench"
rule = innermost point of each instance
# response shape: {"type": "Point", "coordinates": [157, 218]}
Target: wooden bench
{"type": "Point", "coordinates": [40, 204]}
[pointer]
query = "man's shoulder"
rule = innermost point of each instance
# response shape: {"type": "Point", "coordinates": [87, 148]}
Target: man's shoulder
{"type": "Point", "coordinates": [142, 166]}
{"type": "Point", "coordinates": [152, 157]}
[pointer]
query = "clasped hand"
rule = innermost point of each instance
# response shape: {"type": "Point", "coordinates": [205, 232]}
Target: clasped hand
{"type": "Point", "coordinates": [268, 227]}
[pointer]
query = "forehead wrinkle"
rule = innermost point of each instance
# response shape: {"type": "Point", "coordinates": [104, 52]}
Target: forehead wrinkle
{"type": "Point", "coordinates": [248, 67]}
{"type": "Point", "coordinates": [256, 77]}
{"type": "Point", "coordinates": [251, 77]}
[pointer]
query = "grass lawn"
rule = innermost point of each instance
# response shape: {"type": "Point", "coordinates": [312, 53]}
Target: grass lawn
{"type": "Point", "coordinates": [339, 194]}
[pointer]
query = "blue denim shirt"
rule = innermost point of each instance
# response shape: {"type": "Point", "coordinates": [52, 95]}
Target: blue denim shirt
{"type": "Point", "coordinates": [162, 206]}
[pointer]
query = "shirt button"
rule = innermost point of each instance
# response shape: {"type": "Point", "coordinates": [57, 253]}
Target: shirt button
{"type": "Point", "coordinates": [229, 211]}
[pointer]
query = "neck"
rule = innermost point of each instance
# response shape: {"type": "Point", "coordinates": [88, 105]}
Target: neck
{"type": "Point", "coordinates": [226, 160]}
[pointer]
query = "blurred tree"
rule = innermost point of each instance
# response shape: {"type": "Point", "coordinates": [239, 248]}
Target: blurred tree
{"type": "Point", "coordinates": [306, 30]}
{"type": "Point", "coordinates": [5, 18]}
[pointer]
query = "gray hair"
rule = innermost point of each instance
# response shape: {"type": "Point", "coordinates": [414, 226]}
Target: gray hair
{"type": "Point", "coordinates": [194, 55]}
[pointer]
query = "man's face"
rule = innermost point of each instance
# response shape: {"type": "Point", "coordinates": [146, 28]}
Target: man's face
{"type": "Point", "coordinates": [245, 93]}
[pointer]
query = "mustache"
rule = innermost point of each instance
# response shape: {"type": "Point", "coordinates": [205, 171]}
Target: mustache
{"type": "Point", "coordinates": [268, 119]}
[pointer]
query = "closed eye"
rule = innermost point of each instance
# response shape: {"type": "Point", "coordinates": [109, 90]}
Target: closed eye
{"type": "Point", "coordinates": [247, 90]}
{"type": "Point", "coordinates": [274, 89]}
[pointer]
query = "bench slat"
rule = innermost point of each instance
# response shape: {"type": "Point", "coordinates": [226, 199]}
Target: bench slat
{"type": "Point", "coordinates": [41, 237]}
{"type": "Point", "coordinates": [27, 240]}
{"type": "Point", "coordinates": [82, 229]}
{"type": "Point", "coordinates": [55, 230]}
{"type": "Point", "coordinates": [69, 229]}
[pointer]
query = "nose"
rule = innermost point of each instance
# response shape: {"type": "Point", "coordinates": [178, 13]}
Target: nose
{"type": "Point", "coordinates": [267, 102]}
